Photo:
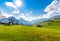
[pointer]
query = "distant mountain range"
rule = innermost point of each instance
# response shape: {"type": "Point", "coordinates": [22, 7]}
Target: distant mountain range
{"type": "Point", "coordinates": [15, 21]}
{"type": "Point", "coordinates": [24, 22]}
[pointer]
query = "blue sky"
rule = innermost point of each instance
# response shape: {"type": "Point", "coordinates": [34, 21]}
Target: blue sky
{"type": "Point", "coordinates": [30, 10]}
{"type": "Point", "coordinates": [35, 6]}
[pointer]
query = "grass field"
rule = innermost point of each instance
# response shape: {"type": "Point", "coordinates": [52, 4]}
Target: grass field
{"type": "Point", "coordinates": [26, 33]}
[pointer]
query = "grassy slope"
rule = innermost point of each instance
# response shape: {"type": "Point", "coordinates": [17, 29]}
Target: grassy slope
{"type": "Point", "coordinates": [25, 33]}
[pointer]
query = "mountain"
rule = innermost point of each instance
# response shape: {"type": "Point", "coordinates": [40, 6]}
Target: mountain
{"type": "Point", "coordinates": [39, 20]}
{"type": "Point", "coordinates": [5, 20]}
{"type": "Point", "coordinates": [54, 17]}
{"type": "Point", "coordinates": [53, 22]}
{"type": "Point", "coordinates": [57, 16]}
{"type": "Point", "coordinates": [14, 19]}
{"type": "Point", "coordinates": [24, 22]}
{"type": "Point", "coordinates": [46, 19]}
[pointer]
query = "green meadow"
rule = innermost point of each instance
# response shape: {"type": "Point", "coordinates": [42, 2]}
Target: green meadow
{"type": "Point", "coordinates": [50, 31]}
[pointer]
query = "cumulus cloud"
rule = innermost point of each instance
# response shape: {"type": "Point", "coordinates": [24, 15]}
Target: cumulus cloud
{"type": "Point", "coordinates": [27, 18]}
{"type": "Point", "coordinates": [54, 6]}
{"type": "Point", "coordinates": [15, 5]}
{"type": "Point", "coordinates": [52, 10]}
{"type": "Point", "coordinates": [8, 15]}
{"type": "Point", "coordinates": [10, 4]}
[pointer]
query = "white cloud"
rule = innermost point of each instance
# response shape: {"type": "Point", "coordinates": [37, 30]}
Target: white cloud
{"type": "Point", "coordinates": [52, 9]}
{"type": "Point", "coordinates": [1, 16]}
{"type": "Point", "coordinates": [30, 18]}
{"type": "Point", "coordinates": [18, 3]}
{"type": "Point", "coordinates": [16, 11]}
{"type": "Point", "coordinates": [27, 18]}
{"type": "Point", "coordinates": [48, 15]}
{"type": "Point", "coordinates": [15, 4]}
{"type": "Point", "coordinates": [8, 15]}
{"type": "Point", "coordinates": [52, 5]}
{"type": "Point", "coordinates": [10, 4]}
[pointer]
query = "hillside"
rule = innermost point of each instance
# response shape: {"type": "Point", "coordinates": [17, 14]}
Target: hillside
{"type": "Point", "coordinates": [48, 32]}
{"type": "Point", "coordinates": [51, 22]}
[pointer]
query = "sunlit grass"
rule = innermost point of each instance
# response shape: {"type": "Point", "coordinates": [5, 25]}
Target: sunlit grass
{"type": "Point", "coordinates": [26, 33]}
